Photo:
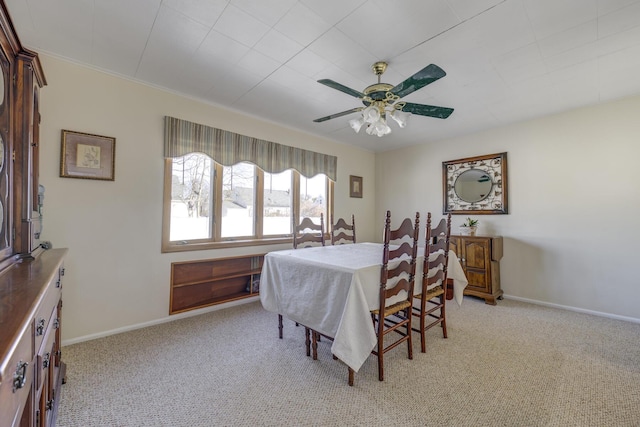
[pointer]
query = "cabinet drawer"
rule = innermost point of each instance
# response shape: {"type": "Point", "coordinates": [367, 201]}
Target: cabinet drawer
{"type": "Point", "coordinates": [17, 379]}
{"type": "Point", "coordinates": [43, 314]}
{"type": "Point", "coordinates": [45, 356]}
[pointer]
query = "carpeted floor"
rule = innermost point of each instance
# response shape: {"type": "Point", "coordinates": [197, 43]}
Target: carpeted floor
{"type": "Point", "coordinates": [514, 364]}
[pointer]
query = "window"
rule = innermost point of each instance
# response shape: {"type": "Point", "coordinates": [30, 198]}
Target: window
{"type": "Point", "coordinates": [256, 200]}
{"type": "Point", "coordinates": [209, 205]}
{"type": "Point", "coordinates": [277, 203]}
{"type": "Point", "coordinates": [238, 201]}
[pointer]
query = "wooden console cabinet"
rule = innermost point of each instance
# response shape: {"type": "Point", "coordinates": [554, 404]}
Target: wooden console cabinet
{"type": "Point", "coordinates": [197, 284]}
{"type": "Point", "coordinates": [480, 259]}
{"type": "Point", "coordinates": [31, 366]}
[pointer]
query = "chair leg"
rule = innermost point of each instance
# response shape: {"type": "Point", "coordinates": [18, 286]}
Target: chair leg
{"type": "Point", "coordinates": [443, 315]}
{"type": "Point", "coordinates": [280, 325]}
{"type": "Point", "coordinates": [314, 344]}
{"type": "Point", "coordinates": [351, 377]}
{"type": "Point", "coordinates": [381, 356]}
{"type": "Point", "coordinates": [307, 342]}
{"type": "Point", "coordinates": [423, 337]}
{"type": "Point", "coordinates": [409, 335]}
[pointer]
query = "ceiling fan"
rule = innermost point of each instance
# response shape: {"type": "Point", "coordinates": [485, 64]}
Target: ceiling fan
{"type": "Point", "coordinates": [381, 99]}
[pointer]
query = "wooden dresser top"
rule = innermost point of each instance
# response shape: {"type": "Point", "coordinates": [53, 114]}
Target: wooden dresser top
{"type": "Point", "coordinates": [22, 287]}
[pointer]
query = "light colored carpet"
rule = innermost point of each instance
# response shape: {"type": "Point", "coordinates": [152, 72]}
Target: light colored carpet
{"type": "Point", "coordinates": [514, 364]}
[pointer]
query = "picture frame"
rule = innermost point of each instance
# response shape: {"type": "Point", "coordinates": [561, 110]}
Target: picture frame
{"type": "Point", "coordinates": [355, 186]}
{"type": "Point", "coordinates": [475, 185]}
{"type": "Point", "coordinates": [87, 156]}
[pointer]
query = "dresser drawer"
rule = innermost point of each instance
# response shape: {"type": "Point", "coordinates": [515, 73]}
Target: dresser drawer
{"type": "Point", "coordinates": [17, 378]}
{"type": "Point", "coordinates": [43, 314]}
{"type": "Point", "coordinates": [45, 357]}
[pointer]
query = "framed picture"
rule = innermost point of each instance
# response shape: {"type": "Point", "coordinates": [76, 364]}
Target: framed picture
{"type": "Point", "coordinates": [355, 186]}
{"type": "Point", "coordinates": [87, 156]}
{"type": "Point", "coordinates": [475, 185]}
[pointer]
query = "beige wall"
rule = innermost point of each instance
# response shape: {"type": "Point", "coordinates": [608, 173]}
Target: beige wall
{"type": "Point", "coordinates": [573, 200]}
{"type": "Point", "coordinates": [117, 278]}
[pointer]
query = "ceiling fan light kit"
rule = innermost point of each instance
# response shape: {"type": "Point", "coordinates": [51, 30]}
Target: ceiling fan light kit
{"type": "Point", "coordinates": [382, 99]}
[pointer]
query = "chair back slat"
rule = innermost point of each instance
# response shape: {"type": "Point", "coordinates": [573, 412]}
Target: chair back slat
{"type": "Point", "coordinates": [404, 267]}
{"type": "Point", "coordinates": [441, 245]}
{"type": "Point", "coordinates": [438, 277]}
{"type": "Point", "coordinates": [308, 233]}
{"type": "Point", "coordinates": [405, 248]}
{"type": "Point", "coordinates": [441, 228]}
{"type": "Point", "coordinates": [342, 232]}
{"type": "Point", "coordinates": [405, 230]}
{"type": "Point", "coordinates": [436, 252]}
{"type": "Point", "coordinates": [405, 254]}
{"type": "Point", "coordinates": [402, 285]}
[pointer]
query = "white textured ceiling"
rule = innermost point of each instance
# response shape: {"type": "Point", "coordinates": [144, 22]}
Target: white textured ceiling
{"type": "Point", "coordinates": [506, 60]}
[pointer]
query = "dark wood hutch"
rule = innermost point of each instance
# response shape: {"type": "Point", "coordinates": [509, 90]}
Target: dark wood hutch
{"type": "Point", "coordinates": [31, 367]}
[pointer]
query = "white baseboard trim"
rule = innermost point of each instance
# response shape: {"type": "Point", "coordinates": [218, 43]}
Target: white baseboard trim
{"type": "Point", "coordinates": [170, 318]}
{"type": "Point", "coordinates": [576, 309]}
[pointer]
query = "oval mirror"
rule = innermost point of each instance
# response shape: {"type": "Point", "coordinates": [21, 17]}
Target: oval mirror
{"type": "Point", "coordinates": [473, 185]}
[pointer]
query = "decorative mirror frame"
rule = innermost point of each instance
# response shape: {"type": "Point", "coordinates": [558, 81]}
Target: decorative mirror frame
{"type": "Point", "coordinates": [494, 165]}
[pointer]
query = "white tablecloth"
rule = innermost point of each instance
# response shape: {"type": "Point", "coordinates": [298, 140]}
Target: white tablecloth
{"type": "Point", "coordinates": [333, 288]}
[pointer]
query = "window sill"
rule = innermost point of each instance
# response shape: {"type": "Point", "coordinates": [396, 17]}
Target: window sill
{"type": "Point", "coordinates": [198, 246]}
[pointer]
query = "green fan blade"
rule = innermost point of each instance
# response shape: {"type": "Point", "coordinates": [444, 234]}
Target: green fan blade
{"type": "Point", "coordinates": [341, 88]}
{"type": "Point", "coordinates": [333, 116]}
{"type": "Point", "coordinates": [427, 75]}
{"type": "Point", "coordinates": [427, 110]}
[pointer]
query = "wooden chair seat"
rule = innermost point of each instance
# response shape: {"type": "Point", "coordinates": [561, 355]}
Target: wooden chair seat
{"type": "Point", "coordinates": [431, 293]}
{"type": "Point", "coordinates": [394, 308]}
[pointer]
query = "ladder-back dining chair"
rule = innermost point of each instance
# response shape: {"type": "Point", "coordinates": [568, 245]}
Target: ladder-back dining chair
{"type": "Point", "coordinates": [305, 235]}
{"type": "Point", "coordinates": [396, 278]}
{"type": "Point", "coordinates": [342, 233]}
{"type": "Point", "coordinates": [432, 296]}
{"type": "Point", "coordinates": [308, 233]}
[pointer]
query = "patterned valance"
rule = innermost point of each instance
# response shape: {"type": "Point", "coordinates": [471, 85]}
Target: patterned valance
{"type": "Point", "coordinates": [227, 148]}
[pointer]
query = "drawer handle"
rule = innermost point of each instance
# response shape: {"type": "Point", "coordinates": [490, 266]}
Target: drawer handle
{"type": "Point", "coordinates": [20, 376]}
{"type": "Point", "coordinates": [56, 323]}
{"type": "Point", "coordinates": [40, 327]}
{"type": "Point", "coordinates": [58, 284]}
{"type": "Point", "coordinates": [45, 360]}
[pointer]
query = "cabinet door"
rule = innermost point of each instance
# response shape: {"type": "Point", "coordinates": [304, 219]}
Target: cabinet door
{"type": "Point", "coordinates": [477, 258]}
{"type": "Point", "coordinates": [454, 245]}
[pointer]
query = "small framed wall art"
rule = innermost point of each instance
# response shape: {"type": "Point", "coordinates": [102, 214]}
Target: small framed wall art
{"type": "Point", "coordinates": [87, 156]}
{"type": "Point", "coordinates": [355, 186]}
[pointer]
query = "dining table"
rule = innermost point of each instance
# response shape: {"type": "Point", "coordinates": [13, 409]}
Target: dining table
{"type": "Point", "coordinates": [332, 290]}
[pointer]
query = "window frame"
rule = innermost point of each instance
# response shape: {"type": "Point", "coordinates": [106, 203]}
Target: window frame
{"type": "Point", "coordinates": [216, 242]}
